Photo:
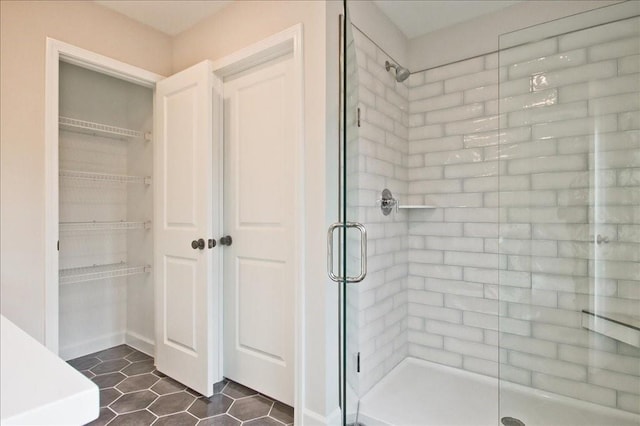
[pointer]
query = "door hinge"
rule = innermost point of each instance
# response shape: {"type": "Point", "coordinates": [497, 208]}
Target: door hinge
{"type": "Point", "coordinates": [358, 116]}
{"type": "Point", "coordinates": [358, 362]}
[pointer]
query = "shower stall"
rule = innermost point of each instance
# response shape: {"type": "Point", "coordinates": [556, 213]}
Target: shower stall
{"type": "Point", "coordinates": [489, 256]}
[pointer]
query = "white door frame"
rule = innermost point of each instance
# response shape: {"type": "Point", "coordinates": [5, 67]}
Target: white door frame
{"type": "Point", "coordinates": [59, 51]}
{"type": "Point", "coordinates": [288, 41]}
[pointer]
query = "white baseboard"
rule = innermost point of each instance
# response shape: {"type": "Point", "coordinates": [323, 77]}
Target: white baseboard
{"type": "Point", "coordinates": [90, 346]}
{"type": "Point", "coordinates": [141, 343]}
{"type": "Point", "coordinates": [311, 418]}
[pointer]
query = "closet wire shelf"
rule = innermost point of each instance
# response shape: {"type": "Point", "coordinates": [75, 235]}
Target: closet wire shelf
{"type": "Point", "coordinates": [99, 129]}
{"type": "Point", "coordinates": [102, 226]}
{"type": "Point", "coordinates": [104, 177]}
{"type": "Point", "coordinates": [99, 272]}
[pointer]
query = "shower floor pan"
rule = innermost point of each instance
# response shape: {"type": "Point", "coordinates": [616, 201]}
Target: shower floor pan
{"type": "Point", "coordinates": [422, 393]}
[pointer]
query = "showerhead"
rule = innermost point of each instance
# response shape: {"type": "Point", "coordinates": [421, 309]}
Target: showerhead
{"type": "Point", "coordinates": [401, 72]}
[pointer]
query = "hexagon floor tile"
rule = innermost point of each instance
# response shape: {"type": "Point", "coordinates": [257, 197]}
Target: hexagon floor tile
{"type": "Point", "coordinates": [132, 392]}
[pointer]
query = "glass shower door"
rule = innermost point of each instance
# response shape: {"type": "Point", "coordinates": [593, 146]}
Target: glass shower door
{"type": "Point", "coordinates": [347, 239]}
{"type": "Point", "coordinates": [570, 220]}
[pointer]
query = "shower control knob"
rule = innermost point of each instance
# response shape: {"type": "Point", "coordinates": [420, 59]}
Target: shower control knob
{"type": "Point", "coordinates": [226, 241]}
{"type": "Point", "coordinates": [197, 244]}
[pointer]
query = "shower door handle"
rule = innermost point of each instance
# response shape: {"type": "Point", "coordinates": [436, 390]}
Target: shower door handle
{"type": "Point", "coordinates": [363, 251]}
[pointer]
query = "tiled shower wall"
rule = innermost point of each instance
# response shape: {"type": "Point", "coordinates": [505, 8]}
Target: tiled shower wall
{"type": "Point", "coordinates": [530, 177]}
{"type": "Point", "coordinates": [379, 160]}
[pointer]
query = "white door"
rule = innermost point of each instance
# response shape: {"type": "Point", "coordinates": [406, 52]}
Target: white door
{"type": "Point", "coordinates": [184, 187]}
{"type": "Point", "coordinates": [259, 196]}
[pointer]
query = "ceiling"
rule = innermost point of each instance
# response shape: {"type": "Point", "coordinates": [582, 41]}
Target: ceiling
{"type": "Point", "coordinates": [418, 17]}
{"type": "Point", "coordinates": [413, 17]}
{"type": "Point", "coordinates": [168, 16]}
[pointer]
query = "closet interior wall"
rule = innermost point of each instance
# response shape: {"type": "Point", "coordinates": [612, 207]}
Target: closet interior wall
{"type": "Point", "coordinates": [105, 208]}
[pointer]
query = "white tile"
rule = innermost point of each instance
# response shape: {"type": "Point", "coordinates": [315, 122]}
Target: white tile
{"type": "Point", "coordinates": [436, 103]}
{"type": "Point", "coordinates": [515, 278]}
{"type": "Point", "coordinates": [629, 64]}
{"type": "Point", "coordinates": [473, 304]}
{"type": "Point", "coordinates": [461, 83]}
{"type": "Point", "coordinates": [528, 345]}
{"type": "Point", "coordinates": [425, 173]}
{"type": "Point", "coordinates": [629, 402]}
{"type": "Point", "coordinates": [454, 157]}
{"type": "Point", "coordinates": [516, 375]}
{"type": "Point", "coordinates": [547, 63]}
{"type": "Point", "coordinates": [552, 367]}
{"type": "Point", "coordinates": [544, 98]}
{"type": "Point", "coordinates": [425, 339]}
{"type": "Point", "coordinates": [610, 379]}
{"type": "Point", "coordinates": [614, 49]}
{"type": "Point", "coordinates": [481, 93]}
{"type": "Point", "coordinates": [629, 233]}
{"type": "Point", "coordinates": [435, 186]}
{"type": "Point", "coordinates": [456, 69]}
{"type": "Point", "coordinates": [426, 91]}
{"type": "Point", "coordinates": [610, 269]}
{"type": "Point", "coordinates": [426, 132]}
{"type": "Point", "coordinates": [599, 88]}
{"type": "Point", "coordinates": [629, 121]}
{"type": "Point", "coordinates": [471, 215]}
{"type": "Point", "coordinates": [614, 104]}
{"type": "Point", "coordinates": [629, 289]}
{"type": "Point", "coordinates": [481, 366]}
{"type": "Point", "coordinates": [599, 359]}
{"type": "Point", "coordinates": [436, 271]}
{"type": "Point", "coordinates": [485, 168]}
{"type": "Point", "coordinates": [448, 143]}
{"type": "Point", "coordinates": [595, 71]}
{"type": "Point", "coordinates": [474, 349]}
{"type": "Point", "coordinates": [544, 164]}
{"type": "Point", "coordinates": [485, 230]}
{"type": "Point", "coordinates": [599, 34]}
{"type": "Point", "coordinates": [485, 321]}
{"type": "Point", "coordinates": [583, 391]}
{"type": "Point", "coordinates": [431, 312]}
{"type": "Point", "coordinates": [462, 112]}
{"type": "Point", "coordinates": [471, 334]}
{"type": "Point", "coordinates": [547, 114]}
{"type": "Point", "coordinates": [548, 215]}
{"type": "Point", "coordinates": [528, 51]}
{"type": "Point", "coordinates": [476, 125]}
{"type": "Point", "coordinates": [486, 275]}
{"type": "Point", "coordinates": [519, 198]}
{"type": "Point", "coordinates": [435, 355]}
{"type": "Point", "coordinates": [629, 177]}
{"type": "Point", "coordinates": [504, 135]}
{"type": "Point", "coordinates": [477, 260]}
{"type": "Point", "coordinates": [441, 229]}
{"type": "Point", "coordinates": [454, 287]}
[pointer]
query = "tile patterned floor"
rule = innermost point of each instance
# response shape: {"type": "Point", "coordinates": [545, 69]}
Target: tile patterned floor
{"type": "Point", "coordinates": [133, 392]}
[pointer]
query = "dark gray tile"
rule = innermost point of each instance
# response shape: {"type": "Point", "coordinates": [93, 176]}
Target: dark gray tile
{"type": "Point", "coordinates": [136, 356]}
{"type": "Point", "coordinates": [88, 374]}
{"type": "Point", "coordinates": [108, 380]}
{"type": "Point", "coordinates": [194, 393]}
{"type": "Point", "coordinates": [207, 407]}
{"type": "Point", "coordinates": [282, 412]}
{"type": "Point", "coordinates": [107, 396]}
{"type": "Point", "coordinates": [137, 418]}
{"type": "Point", "coordinates": [167, 385]}
{"type": "Point", "coordinates": [113, 353]}
{"type": "Point", "coordinates": [172, 403]}
{"type": "Point", "coordinates": [236, 390]}
{"type": "Point", "coordinates": [250, 408]}
{"type": "Point", "coordinates": [105, 417]}
{"type": "Point", "coordinates": [133, 401]}
{"type": "Point", "coordinates": [84, 362]}
{"type": "Point", "coordinates": [136, 383]}
{"type": "Point", "coordinates": [159, 374]}
{"type": "Point", "coordinates": [263, 421]}
{"type": "Point", "coordinates": [217, 387]}
{"type": "Point", "coordinates": [180, 419]}
{"type": "Point", "coordinates": [139, 367]}
{"type": "Point", "coordinates": [222, 420]}
{"type": "Point", "coordinates": [110, 366]}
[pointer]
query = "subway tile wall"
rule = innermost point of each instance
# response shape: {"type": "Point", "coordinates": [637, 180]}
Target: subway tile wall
{"type": "Point", "coordinates": [528, 153]}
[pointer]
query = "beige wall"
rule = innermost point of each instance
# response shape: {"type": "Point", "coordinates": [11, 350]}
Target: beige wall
{"type": "Point", "coordinates": [24, 27]}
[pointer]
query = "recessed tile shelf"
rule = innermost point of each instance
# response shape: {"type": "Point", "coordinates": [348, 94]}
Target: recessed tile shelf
{"type": "Point", "coordinates": [99, 272]}
{"type": "Point", "coordinates": [624, 328]}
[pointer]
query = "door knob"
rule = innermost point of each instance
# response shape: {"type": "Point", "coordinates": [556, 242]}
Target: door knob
{"type": "Point", "coordinates": [226, 241]}
{"type": "Point", "coordinates": [197, 244]}
{"type": "Point", "coordinates": [212, 242]}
